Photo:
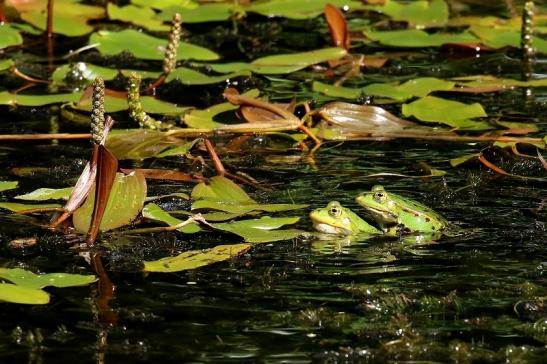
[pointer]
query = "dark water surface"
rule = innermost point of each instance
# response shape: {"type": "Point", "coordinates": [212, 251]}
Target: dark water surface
{"type": "Point", "coordinates": [479, 294]}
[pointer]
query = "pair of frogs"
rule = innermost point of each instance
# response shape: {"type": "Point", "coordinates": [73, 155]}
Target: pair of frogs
{"type": "Point", "coordinates": [393, 213]}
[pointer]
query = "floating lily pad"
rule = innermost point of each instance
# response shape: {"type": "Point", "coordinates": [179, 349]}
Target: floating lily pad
{"type": "Point", "coordinates": [43, 194]}
{"type": "Point", "coordinates": [189, 76]}
{"type": "Point", "coordinates": [502, 83]}
{"type": "Point", "coordinates": [298, 9]}
{"type": "Point", "coordinates": [203, 13]}
{"type": "Point", "coordinates": [142, 16]}
{"type": "Point", "coordinates": [6, 64]}
{"type": "Point", "coordinates": [418, 38]}
{"type": "Point", "coordinates": [8, 185]}
{"type": "Point", "coordinates": [145, 46]}
{"type": "Point", "coordinates": [18, 207]}
{"type": "Point", "coordinates": [500, 37]}
{"type": "Point", "coordinates": [85, 70]}
{"type": "Point", "coordinates": [9, 36]}
{"type": "Point", "coordinates": [196, 258]}
{"type": "Point", "coordinates": [418, 87]}
{"type": "Point", "coordinates": [22, 295]}
{"type": "Point", "coordinates": [419, 13]}
{"type": "Point", "coordinates": [28, 279]}
{"type": "Point", "coordinates": [69, 16]}
{"type": "Point", "coordinates": [7, 98]}
{"type": "Point", "coordinates": [125, 202]}
{"type": "Point", "coordinates": [154, 212]}
{"type": "Point", "coordinates": [262, 230]}
{"type": "Point", "coordinates": [453, 113]}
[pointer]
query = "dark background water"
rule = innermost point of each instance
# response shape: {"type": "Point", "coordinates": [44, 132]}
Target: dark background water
{"type": "Point", "coordinates": [477, 295]}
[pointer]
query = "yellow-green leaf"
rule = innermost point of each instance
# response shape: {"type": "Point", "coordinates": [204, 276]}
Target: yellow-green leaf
{"type": "Point", "coordinates": [154, 212]}
{"type": "Point", "coordinates": [23, 295]}
{"type": "Point", "coordinates": [25, 278]}
{"type": "Point", "coordinates": [8, 185]}
{"type": "Point", "coordinates": [43, 194]}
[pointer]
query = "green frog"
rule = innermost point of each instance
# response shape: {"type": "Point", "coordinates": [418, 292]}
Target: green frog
{"type": "Point", "coordinates": [396, 214]}
{"type": "Point", "coordinates": [336, 219]}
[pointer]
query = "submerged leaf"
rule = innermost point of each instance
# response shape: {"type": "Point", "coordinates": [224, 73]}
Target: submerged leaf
{"type": "Point", "coordinates": [125, 202]}
{"type": "Point", "coordinates": [43, 194]}
{"type": "Point", "coordinates": [196, 258]}
{"type": "Point", "coordinates": [29, 279]}
{"type": "Point", "coordinates": [8, 185]}
{"type": "Point", "coordinates": [144, 46]}
{"type": "Point", "coordinates": [453, 113]}
{"type": "Point", "coordinates": [23, 295]}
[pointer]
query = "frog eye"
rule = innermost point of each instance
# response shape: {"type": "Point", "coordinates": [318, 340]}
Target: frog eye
{"type": "Point", "coordinates": [380, 196]}
{"type": "Point", "coordinates": [335, 211]}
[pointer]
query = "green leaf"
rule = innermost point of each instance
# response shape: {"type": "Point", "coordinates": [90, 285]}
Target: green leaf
{"type": "Point", "coordinates": [28, 279]}
{"type": "Point", "coordinates": [454, 162]}
{"type": "Point", "coordinates": [503, 83]}
{"type": "Point", "coordinates": [261, 230]}
{"type": "Point", "coordinates": [280, 63]}
{"type": "Point", "coordinates": [43, 194]}
{"type": "Point", "coordinates": [36, 100]}
{"type": "Point", "coordinates": [86, 70]}
{"type": "Point", "coordinates": [141, 16]}
{"type": "Point", "coordinates": [17, 207]}
{"type": "Point", "coordinates": [500, 37]}
{"type": "Point", "coordinates": [418, 38]}
{"type": "Point", "coordinates": [179, 150]}
{"type": "Point", "coordinates": [23, 295]}
{"type": "Point", "coordinates": [125, 202]}
{"type": "Point", "coordinates": [220, 188]}
{"type": "Point", "coordinates": [149, 103]}
{"type": "Point", "coordinates": [188, 76]}
{"type": "Point", "coordinates": [298, 9]}
{"type": "Point", "coordinates": [241, 208]}
{"type": "Point", "coordinates": [69, 17]}
{"type": "Point", "coordinates": [8, 185]}
{"type": "Point", "coordinates": [419, 13]}
{"type": "Point", "coordinates": [453, 113]}
{"type": "Point", "coordinates": [418, 87]}
{"type": "Point", "coordinates": [144, 46]}
{"type": "Point", "coordinates": [6, 64]}
{"type": "Point", "coordinates": [203, 13]}
{"type": "Point", "coordinates": [162, 4]}
{"type": "Point", "coordinates": [196, 258]}
{"type": "Point", "coordinates": [9, 36]}
{"type": "Point", "coordinates": [154, 212]}
{"type": "Point", "coordinates": [203, 119]}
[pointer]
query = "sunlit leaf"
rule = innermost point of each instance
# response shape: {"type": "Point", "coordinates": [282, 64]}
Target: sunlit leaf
{"type": "Point", "coordinates": [502, 83]}
{"type": "Point", "coordinates": [204, 119]}
{"type": "Point", "coordinates": [154, 212]}
{"type": "Point", "coordinates": [418, 87]}
{"type": "Point", "coordinates": [87, 71]}
{"type": "Point", "coordinates": [162, 4]}
{"type": "Point", "coordinates": [453, 113]}
{"type": "Point", "coordinates": [500, 37]}
{"type": "Point", "coordinates": [261, 230]}
{"type": "Point", "coordinates": [188, 76]}
{"type": "Point", "coordinates": [454, 162]}
{"type": "Point", "coordinates": [43, 194]}
{"type": "Point", "coordinates": [6, 64]}
{"type": "Point", "coordinates": [125, 202]}
{"type": "Point", "coordinates": [296, 60]}
{"type": "Point", "coordinates": [29, 279]}
{"type": "Point", "coordinates": [142, 16]}
{"type": "Point", "coordinates": [145, 46]}
{"type": "Point", "coordinates": [23, 295]}
{"type": "Point", "coordinates": [417, 13]}
{"type": "Point", "coordinates": [298, 9]}
{"type": "Point", "coordinates": [418, 38]}
{"type": "Point", "coordinates": [242, 207]}
{"type": "Point", "coordinates": [7, 98]}
{"type": "Point", "coordinates": [69, 16]}
{"type": "Point", "coordinates": [9, 36]}
{"type": "Point", "coordinates": [178, 150]}
{"type": "Point", "coordinates": [8, 185]}
{"type": "Point", "coordinates": [150, 105]}
{"type": "Point", "coordinates": [196, 258]}
{"type": "Point", "coordinates": [203, 13]}
{"type": "Point", "coordinates": [17, 207]}
{"type": "Point", "coordinates": [220, 188]}
{"type": "Point", "coordinates": [143, 143]}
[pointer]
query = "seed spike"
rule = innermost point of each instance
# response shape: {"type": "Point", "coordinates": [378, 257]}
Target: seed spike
{"type": "Point", "coordinates": [170, 58]}
{"type": "Point", "coordinates": [136, 110]}
{"type": "Point", "coordinates": [97, 111]}
{"type": "Point", "coordinates": [527, 39]}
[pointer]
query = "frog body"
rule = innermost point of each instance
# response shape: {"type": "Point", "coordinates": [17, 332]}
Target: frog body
{"type": "Point", "coordinates": [336, 219]}
{"type": "Point", "coordinates": [396, 214]}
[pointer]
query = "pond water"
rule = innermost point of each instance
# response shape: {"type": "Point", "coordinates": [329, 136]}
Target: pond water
{"type": "Point", "coordinates": [477, 294]}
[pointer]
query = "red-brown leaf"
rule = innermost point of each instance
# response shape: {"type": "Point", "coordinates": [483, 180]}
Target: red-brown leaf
{"type": "Point", "coordinates": [338, 26]}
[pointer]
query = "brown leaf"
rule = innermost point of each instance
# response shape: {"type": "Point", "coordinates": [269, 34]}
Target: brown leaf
{"type": "Point", "coordinates": [338, 26]}
{"type": "Point", "coordinates": [253, 114]}
{"type": "Point", "coordinates": [107, 166]}
{"type": "Point", "coordinates": [492, 166]}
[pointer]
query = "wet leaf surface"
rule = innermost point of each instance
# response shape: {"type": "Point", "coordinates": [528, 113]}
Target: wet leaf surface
{"type": "Point", "coordinates": [24, 278]}
{"type": "Point", "coordinates": [22, 295]}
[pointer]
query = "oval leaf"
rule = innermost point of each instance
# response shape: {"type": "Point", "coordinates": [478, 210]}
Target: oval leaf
{"type": "Point", "coordinates": [16, 294]}
{"type": "Point", "coordinates": [28, 279]}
